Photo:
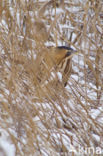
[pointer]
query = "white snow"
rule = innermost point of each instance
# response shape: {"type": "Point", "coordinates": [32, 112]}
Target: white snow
{"type": "Point", "coordinates": [6, 146]}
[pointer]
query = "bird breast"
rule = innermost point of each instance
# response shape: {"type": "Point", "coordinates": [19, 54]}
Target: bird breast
{"type": "Point", "coordinates": [63, 64]}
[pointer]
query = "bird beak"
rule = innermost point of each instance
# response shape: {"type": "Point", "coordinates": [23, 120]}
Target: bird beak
{"type": "Point", "coordinates": [72, 51]}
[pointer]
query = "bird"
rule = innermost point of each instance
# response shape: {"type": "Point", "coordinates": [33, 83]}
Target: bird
{"type": "Point", "coordinates": [64, 55]}
{"type": "Point", "coordinates": [57, 59]}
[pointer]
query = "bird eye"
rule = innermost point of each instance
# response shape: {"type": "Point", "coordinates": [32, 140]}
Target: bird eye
{"type": "Point", "coordinates": [68, 54]}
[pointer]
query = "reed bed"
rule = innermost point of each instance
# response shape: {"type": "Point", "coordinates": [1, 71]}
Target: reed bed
{"type": "Point", "coordinates": [42, 117]}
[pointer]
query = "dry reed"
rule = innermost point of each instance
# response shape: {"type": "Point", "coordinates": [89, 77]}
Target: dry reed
{"type": "Point", "coordinates": [45, 118]}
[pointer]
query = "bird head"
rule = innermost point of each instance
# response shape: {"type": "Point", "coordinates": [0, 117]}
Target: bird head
{"type": "Point", "coordinates": [62, 52]}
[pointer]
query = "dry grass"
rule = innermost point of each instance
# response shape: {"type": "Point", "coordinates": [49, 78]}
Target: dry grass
{"type": "Point", "coordinates": [43, 117]}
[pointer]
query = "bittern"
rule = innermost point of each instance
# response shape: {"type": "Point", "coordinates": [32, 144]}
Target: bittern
{"type": "Point", "coordinates": [63, 57]}
{"type": "Point", "coordinates": [58, 59]}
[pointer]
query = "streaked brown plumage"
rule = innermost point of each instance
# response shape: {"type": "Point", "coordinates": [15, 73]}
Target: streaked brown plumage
{"type": "Point", "coordinates": [65, 65]}
{"type": "Point", "coordinates": [58, 59]}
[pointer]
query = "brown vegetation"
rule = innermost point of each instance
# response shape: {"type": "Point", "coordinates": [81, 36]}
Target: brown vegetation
{"type": "Point", "coordinates": [46, 118]}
